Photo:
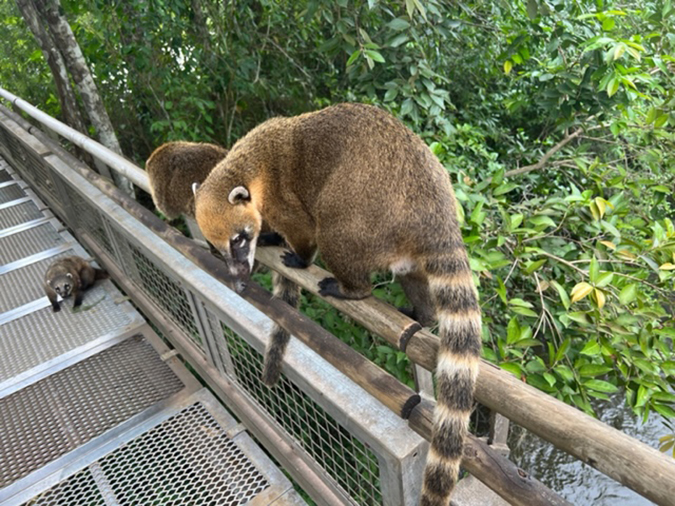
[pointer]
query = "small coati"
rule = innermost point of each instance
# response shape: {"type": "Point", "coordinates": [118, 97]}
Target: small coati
{"type": "Point", "coordinates": [354, 182]}
{"type": "Point", "coordinates": [70, 276]}
{"type": "Point", "coordinates": [173, 167]}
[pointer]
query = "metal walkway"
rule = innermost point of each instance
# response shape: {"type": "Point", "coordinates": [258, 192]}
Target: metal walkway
{"type": "Point", "coordinates": [94, 408]}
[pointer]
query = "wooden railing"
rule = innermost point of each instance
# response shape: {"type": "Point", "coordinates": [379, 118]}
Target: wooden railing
{"type": "Point", "coordinates": [626, 460]}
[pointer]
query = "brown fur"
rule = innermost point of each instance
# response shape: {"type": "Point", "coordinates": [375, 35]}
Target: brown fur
{"type": "Point", "coordinates": [70, 276]}
{"type": "Point", "coordinates": [173, 167]}
{"type": "Point", "coordinates": [355, 183]}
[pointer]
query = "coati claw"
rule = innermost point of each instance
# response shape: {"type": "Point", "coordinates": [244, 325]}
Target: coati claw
{"type": "Point", "coordinates": [293, 261]}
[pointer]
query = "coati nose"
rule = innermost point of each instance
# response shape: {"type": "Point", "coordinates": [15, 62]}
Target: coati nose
{"type": "Point", "coordinates": [239, 286]}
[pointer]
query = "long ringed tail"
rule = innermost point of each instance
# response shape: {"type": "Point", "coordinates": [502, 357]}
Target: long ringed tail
{"type": "Point", "coordinates": [454, 294]}
{"type": "Point", "coordinates": [289, 292]}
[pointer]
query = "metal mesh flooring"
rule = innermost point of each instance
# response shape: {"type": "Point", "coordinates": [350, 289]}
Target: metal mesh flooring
{"type": "Point", "coordinates": [90, 413]}
{"type": "Point", "coordinates": [63, 331]}
{"type": "Point", "coordinates": [26, 282]}
{"type": "Point", "coordinates": [28, 242]}
{"type": "Point", "coordinates": [188, 459]}
{"type": "Point", "coordinates": [18, 214]}
{"type": "Point", "coordinates": [59, 413]}
{"type": "Point", "coordinates": [12, 192]}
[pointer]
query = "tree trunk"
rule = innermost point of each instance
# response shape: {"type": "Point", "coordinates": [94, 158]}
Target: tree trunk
{"type": "Point", "coordinates": [67, 98]}
{"type": "Point", "coordinates": [77, 66]}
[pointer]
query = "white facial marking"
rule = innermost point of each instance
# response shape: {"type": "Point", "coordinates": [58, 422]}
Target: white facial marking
{"type": "Point", "coordinates": [251, 256]}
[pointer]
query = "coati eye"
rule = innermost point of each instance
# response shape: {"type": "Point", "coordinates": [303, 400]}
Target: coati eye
{"type": "Point", "coordinates": [238, 239]}
{"type": "Point", "coordinates": [58, 290]}
{"type": "Point", "coordinates": [67, 287]}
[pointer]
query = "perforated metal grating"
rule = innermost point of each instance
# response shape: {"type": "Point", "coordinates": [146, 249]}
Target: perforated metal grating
{"type": "Point", "coordinates": [20, 213]}
{"type": "Point", "coordinates": [188, 459]}
{"type": "Point", "coordinates": [10, 193]}
{"type": "Point", "coordinates": [43, 335]}
{"type": "Point", "coordinates": [65, 410]}
{"type": "Point", "coordinates": [351, 463]}
{"type": "Point", "coordinates": [79, 489]}
{"type": "Point", "coordinates": [28, 242]}
{"type": "Point", "coordinates": [24, 285]}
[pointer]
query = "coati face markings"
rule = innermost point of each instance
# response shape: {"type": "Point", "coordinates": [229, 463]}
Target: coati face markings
{"type": "Point", "coordinates": [63, 285]}
{"type": "Point", "coordinates": [232, 228]}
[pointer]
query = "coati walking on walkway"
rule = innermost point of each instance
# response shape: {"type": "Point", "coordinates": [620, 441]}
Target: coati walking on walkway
{"type": "Point", "coordinates": [354, 182]}
{"type": "Point", "coordinates": [70, 276]}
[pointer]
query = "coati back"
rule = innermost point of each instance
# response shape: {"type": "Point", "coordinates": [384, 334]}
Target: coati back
{"type": "Point", "coordinates": [70, 276]}
{"type": "Point", "coordinates": [356, 183]}
{"type": "Point", "coordinates": [173, 167]}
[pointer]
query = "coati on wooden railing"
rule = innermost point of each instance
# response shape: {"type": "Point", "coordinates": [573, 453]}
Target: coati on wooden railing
{"type": "Point", "coordinates": [354, 182]}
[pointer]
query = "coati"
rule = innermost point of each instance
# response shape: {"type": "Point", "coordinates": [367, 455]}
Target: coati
{"type": "Point", "coordinates": [354, 182]}
{"type": "Point", "coordinates": [173, 167]}
{"type": "Point", "coordinates": [70, 276]}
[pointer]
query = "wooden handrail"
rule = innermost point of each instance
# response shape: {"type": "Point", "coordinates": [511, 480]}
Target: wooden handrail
{"type": "Point", "coordinates": [495, 470]}
{"type": "Point", "coordinates": [624, 459]}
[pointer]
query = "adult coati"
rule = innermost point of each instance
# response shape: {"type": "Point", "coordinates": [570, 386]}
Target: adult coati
{"type": "Point", "coordinates": [173, 167]}
{"type": "Point", "coordinates": [70, 276]}
{"type": "Point", "coordinates": [356, 183]}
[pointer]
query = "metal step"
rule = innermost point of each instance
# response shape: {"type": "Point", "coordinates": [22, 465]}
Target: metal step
{"type": "Point", "coordinates": [190, 452]}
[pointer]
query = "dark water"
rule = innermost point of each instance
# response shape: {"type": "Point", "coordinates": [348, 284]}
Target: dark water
{"type": "Point", "coordinates": [578, 483]}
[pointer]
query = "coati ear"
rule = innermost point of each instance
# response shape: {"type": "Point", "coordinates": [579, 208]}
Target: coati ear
{"type": "Point", "coordinates": [195, 187]}
{"type": "Point", "coordinates": [69, 275]}
{"type": "Point", "coordinates": [238, 194]}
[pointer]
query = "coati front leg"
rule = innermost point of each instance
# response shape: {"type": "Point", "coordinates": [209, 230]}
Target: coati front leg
{"type": "Point", "coordinates": [78, 295]}
{"type": "Point", "coordinates": [302, 256]}
{"type": "Point", "coordinates": [51, 295]}
{"type": "Point", "coordinates": [303, 250]}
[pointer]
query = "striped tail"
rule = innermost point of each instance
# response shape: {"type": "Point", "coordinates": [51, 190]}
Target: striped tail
{"type": "Point", "coordinates": [289, 292]}
{"type": "Point", "coordinates": [458, 313]}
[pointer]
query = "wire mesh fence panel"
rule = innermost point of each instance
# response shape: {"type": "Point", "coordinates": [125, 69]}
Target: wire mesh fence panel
{"type": "Point", "coordinates": [88, 219]}
{"type": "Point", "coordinates": [353, 466]}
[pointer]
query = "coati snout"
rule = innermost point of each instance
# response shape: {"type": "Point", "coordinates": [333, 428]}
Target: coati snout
{"type": "Point", "coordinates": [232, 229]}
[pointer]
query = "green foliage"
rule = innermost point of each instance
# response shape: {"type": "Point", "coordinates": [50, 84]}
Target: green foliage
{"type": "Point", "coordinates": [554, 119]}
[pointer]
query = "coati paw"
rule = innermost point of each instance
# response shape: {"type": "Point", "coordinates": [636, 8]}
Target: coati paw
{"type": "Point", "coordinates": [56, 308]}
{"type": "Point", "coordinates": [292, 260]}
{"type": "Point", "coordinates": [329, 287]}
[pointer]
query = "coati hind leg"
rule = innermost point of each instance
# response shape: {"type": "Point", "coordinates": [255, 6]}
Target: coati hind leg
{"type": "Point", "coordinates": [416, 288]}
{"type": "Point", "coordinates": [351, 281]}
